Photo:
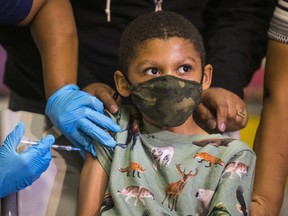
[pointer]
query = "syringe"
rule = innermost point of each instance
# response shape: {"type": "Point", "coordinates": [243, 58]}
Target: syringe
{"type": "Point", "coordinates": [60, 147]}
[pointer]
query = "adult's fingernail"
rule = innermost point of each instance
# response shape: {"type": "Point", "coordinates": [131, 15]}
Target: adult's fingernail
{"type": "Point", "coordinates": [211, 124]}
{"type": "Point", "coordinates": [222, 127]}
{"type": "Point", "coordinates": [113, 109]}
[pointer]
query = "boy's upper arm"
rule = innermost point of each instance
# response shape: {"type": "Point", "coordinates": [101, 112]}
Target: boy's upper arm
{"type": "Point", "coordinates": [233, 194]}
{"type": "Point", "coordinates": [93, 185]}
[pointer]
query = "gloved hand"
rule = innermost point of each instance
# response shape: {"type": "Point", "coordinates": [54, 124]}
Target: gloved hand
{"type": "Point", "coordinates": [18, 171]}
{"type": "Point", "coordinates": [80, 117]}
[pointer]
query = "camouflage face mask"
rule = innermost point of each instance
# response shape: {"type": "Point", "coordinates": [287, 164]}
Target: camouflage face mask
{"type": "Point", "coordinates": [167, 100]}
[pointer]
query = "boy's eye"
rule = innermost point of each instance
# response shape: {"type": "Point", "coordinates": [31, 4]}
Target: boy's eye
{"type": "Point", "coordinates": [152, 71]}
{"type": "Point", "coordinates": [185, 69]}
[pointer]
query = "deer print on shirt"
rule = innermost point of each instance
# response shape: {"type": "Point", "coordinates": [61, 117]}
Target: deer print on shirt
{"type": "Point", "coordinates": [173, 190]}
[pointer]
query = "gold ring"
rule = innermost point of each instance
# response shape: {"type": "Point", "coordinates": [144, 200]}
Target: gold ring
{"type": "Point", "coordinates": [241, 113]}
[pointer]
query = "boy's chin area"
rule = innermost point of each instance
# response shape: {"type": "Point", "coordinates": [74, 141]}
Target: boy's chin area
{"type": "Point", "coordinates": [189, 127]}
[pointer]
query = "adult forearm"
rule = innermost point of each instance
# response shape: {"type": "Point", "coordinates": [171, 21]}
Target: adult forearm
{"type": "Point", "coordinates": [54, 32]}
{"type": "Point", "coordinates": [271, 148]}
{"type": "Point", "coordinates": [271, 143]}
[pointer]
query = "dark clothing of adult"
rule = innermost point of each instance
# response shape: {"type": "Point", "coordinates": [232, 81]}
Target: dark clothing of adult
{"type": "Point", "coordinates": [14, 11]}
{"type": "Point", "coordinates": [235, 34]}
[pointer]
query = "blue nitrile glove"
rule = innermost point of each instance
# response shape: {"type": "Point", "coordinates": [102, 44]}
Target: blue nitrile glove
{"type": "Point", "coordinates": [80, 117]}
{"type": "Point", "coordinates": [19, 170]}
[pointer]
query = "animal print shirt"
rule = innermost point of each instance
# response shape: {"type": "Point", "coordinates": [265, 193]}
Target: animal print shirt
{"type": "Point", "coordinates": [156, 172]}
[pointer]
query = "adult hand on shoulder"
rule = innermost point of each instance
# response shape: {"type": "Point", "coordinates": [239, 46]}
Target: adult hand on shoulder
{"type": "Point", "coordinates": [222, 110]}
{"type": "Point", "coordinates": [19, 170]}
{"type": "Point", "coordinates": [80, 117]}
{"type": "Point", "coordinates": [106, 94]}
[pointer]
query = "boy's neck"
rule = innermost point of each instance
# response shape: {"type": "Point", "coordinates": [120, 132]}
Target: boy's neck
{"type": "Point", "coordinates": [190, 127]}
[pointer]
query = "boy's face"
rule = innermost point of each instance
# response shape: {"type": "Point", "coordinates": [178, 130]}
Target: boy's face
{"type": "Point", "coordinates": [158, 57]}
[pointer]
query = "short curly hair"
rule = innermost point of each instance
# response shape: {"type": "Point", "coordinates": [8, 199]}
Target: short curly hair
{"type": "Point", "coordinates": [161, 25]}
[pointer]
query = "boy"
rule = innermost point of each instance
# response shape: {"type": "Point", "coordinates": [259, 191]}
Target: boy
{"type": "Point", "coordinates": [164, 163]}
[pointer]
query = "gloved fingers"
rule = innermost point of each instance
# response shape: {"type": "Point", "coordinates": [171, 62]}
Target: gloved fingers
{"type": "Point", "coordinates": [96, 133]}
{"type": "Point", "coordinates": [47, 141]}
{"type": "Point", "coordinates": [83, 153]}
{"type": "Point", "coordinates": [79, 138]}
{"type": "Point", "coordinates": [76, 140]}
{"type": "Point", "coordinates": [14, 137]}
{"type": "Point", "coordinates": [96, 104]}
{"type": "Point", "coordinates": [44, 162]}
{"type": "Point", "coordinates": [39, 156]}
{"type": "Point", "coordinates": [102, 121]}
{"type": "Point", "coordinates": [81, 99]}
{"type": "Point", "coordinates": [37, 159]}
{"type": "Point", "coordinates": [43, 146]}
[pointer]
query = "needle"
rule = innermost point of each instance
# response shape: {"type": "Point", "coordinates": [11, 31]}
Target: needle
{"type": "Point", "coordinates": [60, 147]}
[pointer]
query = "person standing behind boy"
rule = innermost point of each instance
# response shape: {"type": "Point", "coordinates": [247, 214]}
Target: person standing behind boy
{"type": "Point", "coordinates": [19, 170]}
{"type": "Point", "coordinates": [164, 163]}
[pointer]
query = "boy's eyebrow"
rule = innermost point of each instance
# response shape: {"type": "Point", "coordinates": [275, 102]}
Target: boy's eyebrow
{"type": "Point", "coordinates": [189, 58]}
{"type": "Point", "coordinates": [192, 59]}
{"type": "Point", "coordinates": [155, 63]}
{"type": "Point", "coordinates": [142, 63]}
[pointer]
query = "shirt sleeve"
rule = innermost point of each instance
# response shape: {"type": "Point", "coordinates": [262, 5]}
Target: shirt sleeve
{"type": "Point", "coordinates": [14, 11]}
{"type": "Point", "coordinates": [279, 23]}
{"type": "Point", "coordinates": [104, 153]}
{"type": "Point", "coordinates": [235, 38]}
{"type": "Point", "coordinates": [233, 194]}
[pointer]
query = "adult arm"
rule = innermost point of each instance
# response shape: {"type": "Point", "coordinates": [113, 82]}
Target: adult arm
{"type": "Point", "coordinates": [93, 184]}
{"type": "Point", "coordinates": [77, 114]}
{"type": "Point", "coordinates": [54, 32]}
{"type": "Point", "coordinates": [271, 142]}
{"type": "Point", "coordinates": [235, 35]}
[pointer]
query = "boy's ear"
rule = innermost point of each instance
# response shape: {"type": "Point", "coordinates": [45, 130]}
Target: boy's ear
{"type": "Point", "coordinates": [207, 76]}
{"type": "Point", "coordinates": [121, 84]}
